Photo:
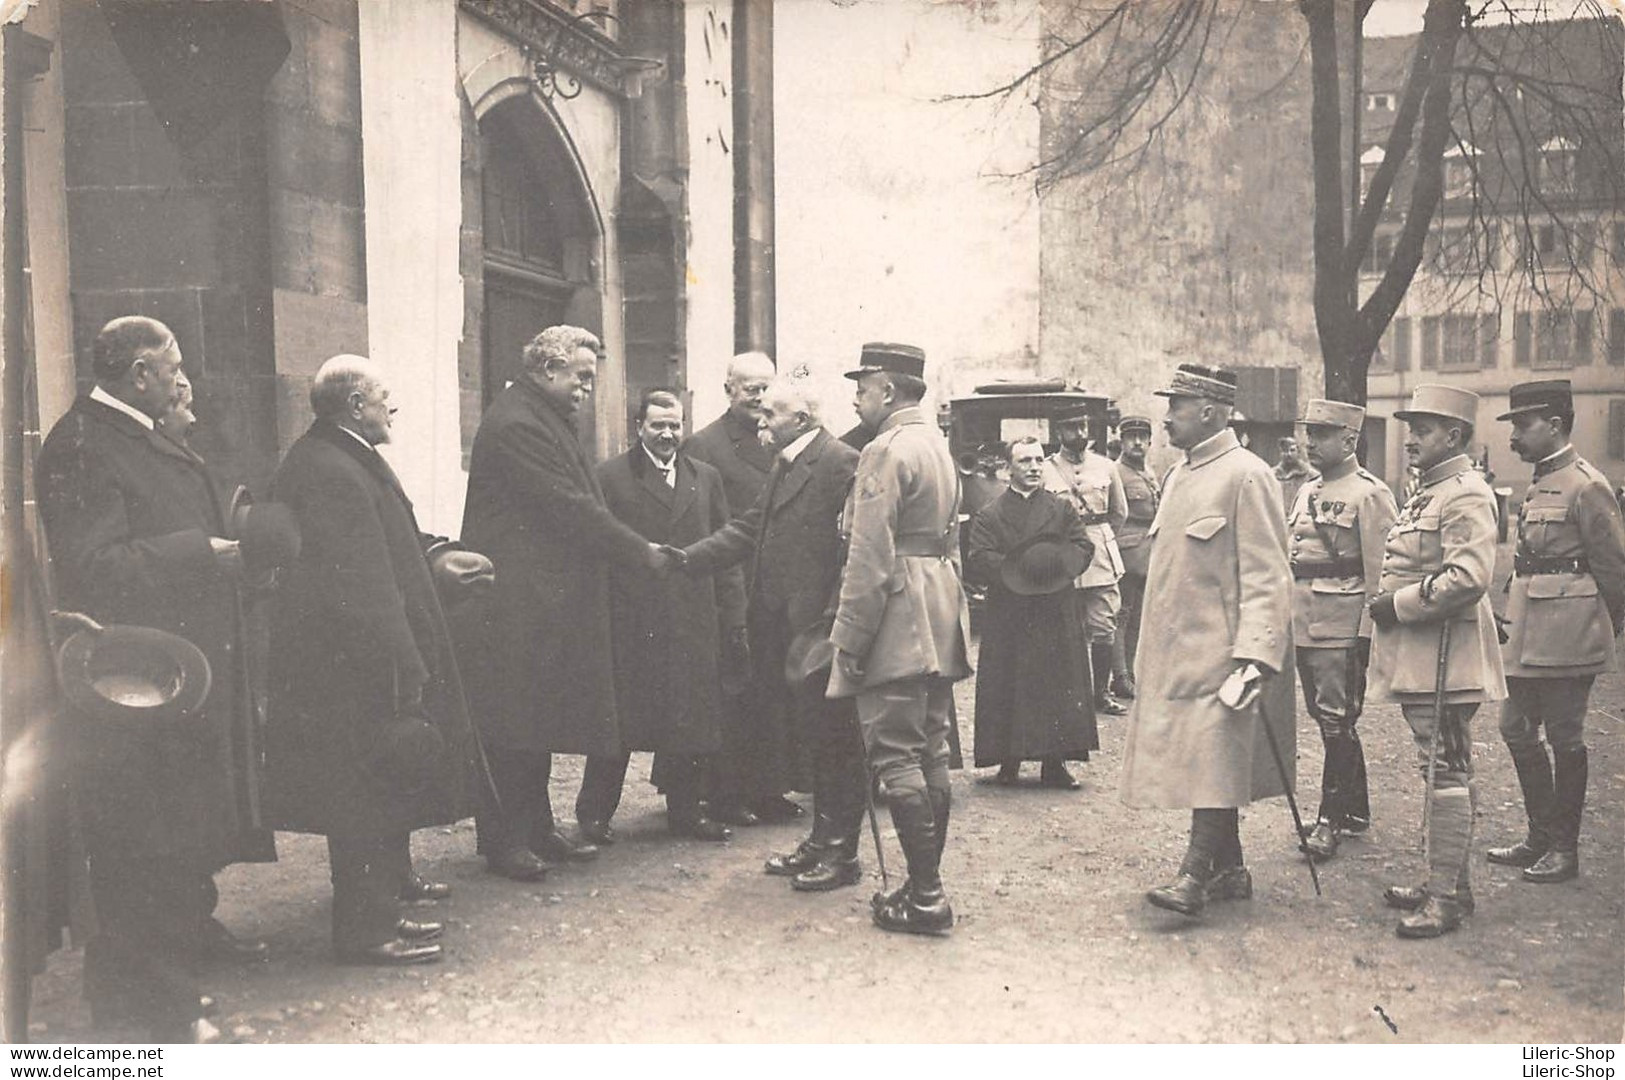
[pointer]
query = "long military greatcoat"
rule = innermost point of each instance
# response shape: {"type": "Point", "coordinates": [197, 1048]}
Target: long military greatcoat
{"type": "Point", "coordinates": [128, 515]}
{"type": "Point", "coordinates": [1218, 591]}
{"type": "Point", "coordinates": [355, 629]}
{"type": "Point", "coordinates": [669, 627]}
{"type": "Point", "coordinates": [1034, 697]}
{"type": "Point", "coordinates": [546, 681]}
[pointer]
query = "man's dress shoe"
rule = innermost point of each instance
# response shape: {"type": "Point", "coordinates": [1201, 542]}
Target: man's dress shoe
{"type": "Point", "coordinates": [1554, 866]}
{"type": "Point", "coordinates": [518, 864]}
{"type": "Point", "coordinates": [395, 953]}
{"type": "Point", "coordinates": [806, 856]}
{"type": "Point", "coordinates": [408, 930]}
{"type": "Point", "coordinates": [1187, 895]}
{"type": "Point", "coordinates": [221, 944]}
{"type": "Point", "coordinates": [1412, 897]}
{"type": "Point", "coordinates": [599, 833]}
{"type": "Point", "coordinates": [419, 889]}
{"type": "Point", "coordinates": [908, 915]}
{"type": "Point", "coordinates": [557, 847]}
{"type": "Point", "coordinates": [1110, 706]}
{"type": "Point", "coordinates": [700, 828]}
{"type": "Point", "coordinates": [831, 873]}
{"type": "Point", "coordinates": [1523, 855]}
{"type": "Point", "coordinates": [778, 809]}
{"type": "Point", "coordinates": [1436, 917]}
{"type": "Point", "coordinates": [1231, 883]}
{"type": "Point", "coordinates": [732, 813]}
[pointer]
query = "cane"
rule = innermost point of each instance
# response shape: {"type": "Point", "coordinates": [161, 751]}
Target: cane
{"type": "Point", "coordinates": [1286, 783]}
{"type": "Point", "coordinates": [874, 830]}
{"type": "Point", "coordinates": [1433, 739]}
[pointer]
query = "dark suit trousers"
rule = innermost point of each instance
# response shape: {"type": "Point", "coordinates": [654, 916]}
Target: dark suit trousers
{"type": "Point", "coordinates": [142, 964]}
{"type": "Point", "coordinates": [367, 878]}
{"type": "Point", "coordinates": [762, 754]}
{"type": "Point", "coordinates": [523, 813]}
{"type": "Point", "coordinates": [679, 777]}
{"type": "Point", "coordinates": [830, 729]}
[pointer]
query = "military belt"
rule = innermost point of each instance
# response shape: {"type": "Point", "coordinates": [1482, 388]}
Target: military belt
{"type": "Point", "coordinates": [1097, 519]}
{"type": "Point", "coordinates": [927, 545]}
{"type": "Point", "coordinates": [1333, 568]}
{"type": "Point", "coordinates": [1530, 565]}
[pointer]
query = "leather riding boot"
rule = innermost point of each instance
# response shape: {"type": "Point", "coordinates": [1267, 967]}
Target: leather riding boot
{"type": "Point", "coordinates": [922, 908]}
{"type": "Point", "coordinates": [1356, 796]}
{"type": "Point", "coordinates": [1450, 837]}
{"type": "Point", "coordinates": [837, 867]}
{"type": "Point", "coordinates": [1100, 669]}
{"type": "Point", "coordinates": [806, 856]}
{"type": "Point", "coordinates": [1535, 778]}
{"type": "Point", "coordinates": [941, 808]}
{"type": "Point", "coordinates": [1562, 862]}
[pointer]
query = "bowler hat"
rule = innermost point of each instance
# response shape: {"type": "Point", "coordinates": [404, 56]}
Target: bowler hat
{"type": "Point", "coordinates": [267, 532]}
{"type": "Point", "coordinates": [1199, 380]}
{"type": "Point", "coordinates": [889, 356]}
{"type": "Point", "coordinates": [1326, 413]}
{"type": "Point", "coordinates": [131, 673]}
{"type": "Point", "coordinates": [1134, 423]}
{"type": "Point", "coordinates": [1043, 564]}
{"type": "Point", "coordinates": [1546, 396]}
{"type": "Point", "coordinates": [1436, 399]}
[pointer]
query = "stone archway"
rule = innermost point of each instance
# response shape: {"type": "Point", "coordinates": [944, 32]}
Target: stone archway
{"type": "Point", "coordinates": [532, 236]}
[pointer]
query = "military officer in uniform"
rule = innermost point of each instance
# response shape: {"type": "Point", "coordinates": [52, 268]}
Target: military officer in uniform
{"type": "Point", "coordinates": [1291, 472]}
{"type": "Point", "coordinates": [901, 624]}
{"type": "Point", "coordinates": [1142, 492]}
{"type": "Point", "coordinates": [1217, 604]}
{"type": "Point", "coordinates": [1337, 531]}
{"type": "Point", "coordinates": [1436, 570]}
{"type": "Point", "coordinates": [1565, 606]}
{"type": "Point", "coordinates": [1091, 482]}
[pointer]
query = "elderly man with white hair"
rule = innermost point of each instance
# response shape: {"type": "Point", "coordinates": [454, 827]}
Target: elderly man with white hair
{"type": "Point", "coordinates": [368, 735]}
{"type": "Point", "coordinates": [548, 684]}
{"type": "Point", "coordinates": [790, 543]}
{"type": "Point", "coordinates": [760, 758]}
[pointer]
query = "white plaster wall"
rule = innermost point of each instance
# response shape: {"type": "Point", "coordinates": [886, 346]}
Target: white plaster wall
{"type": "Point", "coordinates": [493, 69]}
{"type": "Point", "coordinates": [412, 135]}
{"type": "Point", "coordinates": [709, 277]}
{"type": "Point", "coordinates": [893, 221]}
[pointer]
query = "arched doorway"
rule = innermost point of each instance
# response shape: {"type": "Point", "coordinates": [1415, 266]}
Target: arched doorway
{"type": "Point", "coordinates": [532, 233]}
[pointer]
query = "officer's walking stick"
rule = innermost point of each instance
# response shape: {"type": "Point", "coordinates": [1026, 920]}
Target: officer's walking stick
{"type": "Point", "coordinates": [874, 830]}
{"type": "Point", "coordinates": [1286, 783]}
{"type": "Point", "coordinates": [1433, 739]}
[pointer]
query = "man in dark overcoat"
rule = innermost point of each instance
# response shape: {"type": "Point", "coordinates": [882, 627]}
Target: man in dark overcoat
{"type": "Point", "coordinates": [546, 684]}
{"type": "Point", "coordinates": [761, 757]}
{"type": "Point", "coordinates": [790, 541]}
{"type": "Point", "coordinates": [669, 628]}
{"type": "Point", "coordinates": [137, 528]}
{"type": "Point", "coordinates": [369, 735]}
{"type": "Point", "coordinates": [1034, 700]}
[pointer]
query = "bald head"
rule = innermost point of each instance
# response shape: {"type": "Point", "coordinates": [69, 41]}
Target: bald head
{"type": "Point", "coordinates": [748, 376]}
{"type": "Point", "coordinates": [352, 392]}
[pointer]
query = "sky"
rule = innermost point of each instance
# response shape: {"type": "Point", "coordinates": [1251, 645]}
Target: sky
{"type": "Point", "coordinates": [1391, 18]}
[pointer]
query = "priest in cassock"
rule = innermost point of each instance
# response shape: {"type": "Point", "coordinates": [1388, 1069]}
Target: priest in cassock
{"type": "Point", "coordinates": [1033, 689]}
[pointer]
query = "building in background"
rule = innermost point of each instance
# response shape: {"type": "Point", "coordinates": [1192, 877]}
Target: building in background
{"type": "Point", "coordinates": [425, 181]}
{"type": "Point", "coordinates": [1523, 276]}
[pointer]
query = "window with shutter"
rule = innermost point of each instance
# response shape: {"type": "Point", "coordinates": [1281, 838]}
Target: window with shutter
{"type": "Point", "coordinates": [1583, 334]}
{"type": "Point", "coordinates": [1616, 337]}
{"type": "Point", "coordinates": [1522, 339]}
{"type": "Point", "coordinates": [1430, 342]}
{"type": "Point", "coordinates": [1489, 342]}
{"type": "Point", "coordinates": [1402, 343]}
{"type": "Point", "coordinates": [1616, 429]}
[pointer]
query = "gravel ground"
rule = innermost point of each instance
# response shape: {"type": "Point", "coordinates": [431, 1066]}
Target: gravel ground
{"type": "Point", "coordinates": [676, 940]}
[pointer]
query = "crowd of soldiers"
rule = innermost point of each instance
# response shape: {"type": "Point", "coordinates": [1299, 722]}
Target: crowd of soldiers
{"type": "Point", "coordinates": [769, 608]}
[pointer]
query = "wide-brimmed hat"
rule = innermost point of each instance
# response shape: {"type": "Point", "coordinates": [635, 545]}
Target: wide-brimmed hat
{"type": "Point", "coordinates": [1436, 399]}
{"type": "Point", "coordinates": [1043, 564]}
{"type": "Point", "coordinates": [131, 674]}
{"type": "Point", "coordinates": [889, 356]}
{"type": "Point", "coordinates": [1198, 380]}
{"type": "Point", "coordinates": [1324, 413]}
{"type": "Point", "coordinates": [1546, 396]}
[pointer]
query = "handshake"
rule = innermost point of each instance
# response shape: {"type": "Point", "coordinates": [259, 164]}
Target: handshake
{"type": "Point", "coordinates": [663, 558]}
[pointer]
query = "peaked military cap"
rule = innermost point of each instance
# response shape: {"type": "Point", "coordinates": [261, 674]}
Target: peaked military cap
{"type": "Point", "coordinates": [1436, 399]}
{"type": "Point", "coordinates": [1134, 423]}
{"type": "Point", "coordinates": [1326, 413]}
{"type": "Point", "coordinates": [1198, 380]}
{"type": "Point", "coordinates": [1545, 396]}
{"type": "Point", "coordinates": [889, 356]}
